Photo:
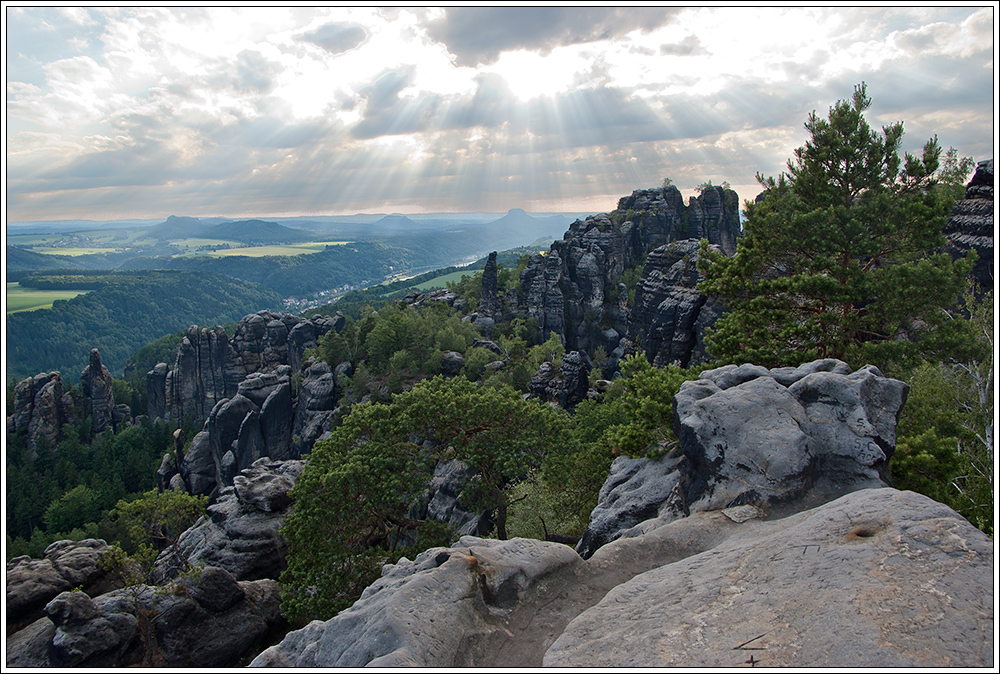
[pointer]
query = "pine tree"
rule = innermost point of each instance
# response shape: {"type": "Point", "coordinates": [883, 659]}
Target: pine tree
{"type": "Point", "coordinates": [837, 258]}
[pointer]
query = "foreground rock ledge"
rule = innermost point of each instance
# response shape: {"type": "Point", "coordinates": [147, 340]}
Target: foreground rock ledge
{"type": "Point", "coordinates": [876, 578]}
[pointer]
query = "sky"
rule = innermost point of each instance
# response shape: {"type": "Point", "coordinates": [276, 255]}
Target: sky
{"type": "Point", "coordinates": [143, 112]}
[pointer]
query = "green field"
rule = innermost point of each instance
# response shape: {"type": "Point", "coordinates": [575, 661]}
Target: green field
{"type": "Point", "coordinates": [72, 252]}
{"type": "Point", "coordinates": [261, 251]}
{"type": "Point", "coordinates": [28, 299]}
{"type": "Point", "coordinates": [441, 281]}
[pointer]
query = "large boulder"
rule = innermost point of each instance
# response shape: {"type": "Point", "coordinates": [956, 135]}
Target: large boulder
{"type": "Point", "coordinates": [32, 583]}
{"type": "Point", "coordinates": [782, 440]}
{"type": "Point", "coordinates": [877, 578]}
{"type": "Point", "coordinates": [208, 619]}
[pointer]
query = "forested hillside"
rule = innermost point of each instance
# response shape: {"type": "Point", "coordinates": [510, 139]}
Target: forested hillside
{"type": "Point", "coordinates": [124, 311]}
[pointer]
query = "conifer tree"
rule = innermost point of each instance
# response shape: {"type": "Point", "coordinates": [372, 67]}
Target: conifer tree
{"type": "Point", "coordinates": [837, 255]}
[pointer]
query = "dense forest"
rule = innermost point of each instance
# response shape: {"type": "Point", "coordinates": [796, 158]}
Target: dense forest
{"type": "Point", "coordinates": [123, 311]}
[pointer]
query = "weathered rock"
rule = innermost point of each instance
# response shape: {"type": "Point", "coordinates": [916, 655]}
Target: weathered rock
{"type": "Point", "coordinates": [314, 407]}
{"type": "Point", "coordinates": [667, 319]}
{"type": "Point", "coordinates": [206, 620]}
{"type": "Point", "coordinates": [394, 625]}
{"type": "Point", "coordinates": [568, 386]}
{"type": "Point", "coordinates": [489, 302]}
{"type": "Point", "coordinates": [452, 363]}
{"type": "Point", "coordinates": [877, 578]}
{"type": "Point", "coordinates": [211, 367]}
{"type": "Point", "coordinates": [636, 490]}
{"type": "Point", "coordinates": [42, 408]}
{"type": "Point", "coordinates": [573, 291]}
{"type": "Point", "coordinates": [156, 391]}
{"type": "Point", "coordinates": [199, 469]}
{"type": "Point", "coordinates": [96, 383]}
{"type": "Point", "coordinates": [239, 532]}
{"type": "Point", "coordinates": [32, 583]}
{"type": "Point", "coordinates": [442, 502]}
{"type": "Point", "coordinates": [785, 439]}
{"type": "Point", "coordinates": [970, 226]}
{"type": "Point", "coordinates": [83, 636]}
{"type": "Point", "coordinates": [276, 418]}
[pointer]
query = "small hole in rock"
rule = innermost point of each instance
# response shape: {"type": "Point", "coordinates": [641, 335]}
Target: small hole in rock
{"type": "Point", "coordinates": [860, 533]}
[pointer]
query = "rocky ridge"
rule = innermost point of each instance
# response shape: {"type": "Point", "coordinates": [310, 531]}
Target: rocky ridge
{"type": "Point", "coordinates": [242, 389]}
{"type": "Point", "coordinates": [575, 292]}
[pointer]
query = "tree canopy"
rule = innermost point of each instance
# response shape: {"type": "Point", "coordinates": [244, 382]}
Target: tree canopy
{"type": "Point", "coordinates": [354, 498]}
{"type": "Point", "coordinates": [837, 255]}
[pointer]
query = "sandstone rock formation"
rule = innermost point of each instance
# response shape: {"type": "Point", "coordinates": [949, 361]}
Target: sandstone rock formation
{"type": "Point", "coordinates": [41, 407]}
{"type": "Point", "coordinates": [207, 620]}
{"type": "Point", "coordinates": [393, 625]}
{"type": "Point", "coordinates": [210, 367]}
{"type": "Point", "coordinates": [877, 578]}
{"type": "Point", "coordinates": [96, 383]}
{"type": "Point", "coordinates": [782, 439]}
{"type": "Point", "coordinates": [239, 532]}
{"type": "Point", "coordinates": [573, 291]}
{"type": "Point", "coordinates": [565, 386]}
{"type": "Point", "coordinates": [670, 316]}
{"type": "Point", "coordinates": [489, 301]}
{"type": "Point", "coordinates": [32, 583]}
{"type": "Point", "coordinates": [970, 226]}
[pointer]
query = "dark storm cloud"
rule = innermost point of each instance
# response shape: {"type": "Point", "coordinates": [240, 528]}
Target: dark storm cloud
{"type": "Point", "coordinates": [336, 38]}
{"type": "Point", "coordinates": [477, 35]}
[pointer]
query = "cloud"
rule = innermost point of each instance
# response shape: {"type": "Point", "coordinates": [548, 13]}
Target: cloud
{"type": "Point", "coordinates": [686, 47]}
{"type": "Point", "coordinates": [336, 38]}
{"type": "Point", "coordinates": [477, 35]}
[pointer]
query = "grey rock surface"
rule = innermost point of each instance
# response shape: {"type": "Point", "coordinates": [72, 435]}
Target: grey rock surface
{"type": "Point", "coordinates": [239, 532]}
{"type": "Point", "coordinates": [573, 291]}
{"type": "Point", "coordinates": [41, 407]}
{"type": "Point", "coordinates": [96, 383]}
{"type": "Point", "coordinates": [32, 583]}
{"type": "Point", "coordinates": [670, 316]}
{"type": "Point", "coordinates": [784, 439]}
{"type": "Point", "coordinates": [393, 624]}
{"type": "Point", "coordinates": [877, 578]}
{"type": "Point", "coordinates": [970, 225]}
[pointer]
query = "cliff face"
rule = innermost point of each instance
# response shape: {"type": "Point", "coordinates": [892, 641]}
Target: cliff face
{"type": "Point", "coordinates": [242, 389]}
{"type": "Point", "coordinates": [575, 290]}
{"type": "Point", "coordinates": [970, 226]}
{"type": "Point", "coordinates": [210, 367]}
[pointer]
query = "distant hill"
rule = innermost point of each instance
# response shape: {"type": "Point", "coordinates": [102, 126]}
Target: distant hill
{"type": "Point", "coordinates": [176, 227]}
{"type": "Point", "coordinates": [250, 232]}
{"type": "Point", "coordinates": [20, 261]}
{"type": "Point", "coordinates": [257, 232]}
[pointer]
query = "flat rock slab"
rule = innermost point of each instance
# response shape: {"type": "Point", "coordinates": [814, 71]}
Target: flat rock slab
{"type": "Point", "coordinates": [876, 578]}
